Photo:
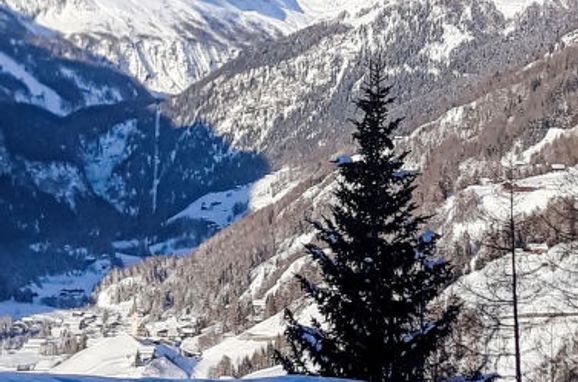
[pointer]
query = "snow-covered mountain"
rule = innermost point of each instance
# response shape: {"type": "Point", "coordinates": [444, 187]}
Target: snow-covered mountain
{"type": "Point", "coordinates": [168, 45]}
{"type": "Point", "coordinates": [43, 70]}
{"type": "Point", "coordinates": [481, 82]}
{"type": "Point", "coordinates": [117, 174]}
{"type": "Point", "coordinates": [83, 144]}
{"type": "Point", "coordinates": [478, 88]}
{"type": "Point", "coordinates": [298, 91]}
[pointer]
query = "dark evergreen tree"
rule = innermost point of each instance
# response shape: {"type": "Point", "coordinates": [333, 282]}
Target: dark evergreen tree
{"type": "Point", "coordinates": [379, 271]}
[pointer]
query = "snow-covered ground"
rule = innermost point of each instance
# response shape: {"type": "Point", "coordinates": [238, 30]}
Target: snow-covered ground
{"type": "Point", "coordinates": [38, 93]}
{"type": "Point", "coordinates": [120, 360]}
{"type": "Point", "coordinates": [77, 284]}
{"type": "Point", "coordinates": [223, 208]}
{"type": "Point", "coordinates": [511, 8]}
{"type": "Point", "coordinates": [275, 371]}
{"type": "Point", "coordinates": [63, 378]}
{"type": "Point", "coordinates": [111, 351]}
{"type": "Point", "coordinates": [552, 135]}
{"type": "Point", "coordinates": [35, 89]}
{"type": "Point", "coordinates": [547, 286]}
{"type": "Point", "coordinates": [117, 357]}
{"type": "Point", "coordinates": [249, 342]}
{"type": "Point", "coordinates": [493, 201]}
{"type": "Point", "coordinates": [262, 271]}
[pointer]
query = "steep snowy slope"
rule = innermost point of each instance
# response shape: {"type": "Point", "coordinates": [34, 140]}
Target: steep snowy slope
{"type": "Point", "coordinates": [548, 315]}
{"type": "Point", "coordinates": [280, 99]}
{"type": "Point", "coordinates": [477, 88]}
{"type": "Point", "coordinates": [116, 173]}
{"type": "Point", "coordinates": [46, 71]}
{"type": "Point", "coordinates": [168, 45]}
{"type": "Point", "coordinates": [508, 106]}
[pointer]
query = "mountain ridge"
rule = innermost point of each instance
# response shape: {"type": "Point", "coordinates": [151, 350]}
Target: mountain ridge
{"type": "Point", "coordinates": [167, 47]}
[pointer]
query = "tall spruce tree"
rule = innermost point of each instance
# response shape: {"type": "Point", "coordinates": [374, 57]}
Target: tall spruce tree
{"type": "Point", "coordinates": [379, 271]}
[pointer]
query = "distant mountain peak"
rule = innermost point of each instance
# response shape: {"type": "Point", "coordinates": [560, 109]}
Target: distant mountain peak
{"type": "Point", "coordinates": [168, 45]}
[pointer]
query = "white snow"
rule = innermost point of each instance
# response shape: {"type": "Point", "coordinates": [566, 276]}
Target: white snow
{"type": "Point", "coordinates": [164, 368]}
{"type": "Point", "coordinates": [548, 317]}
{"type": "Point", "coordinates": [103, 156]}
{"type": "Point", "coordinates": [570, 38]}
{"type": "Point", "coordinates": [452, 38]}
{"type": "Point", "coordinates": [289, 274]}
{"type": "Point", "coordinates": [122, 245]}
{"type": "Point", "coordinates": [494, 201]}
{"type": "Point", "coordinates": [169, 45]}
{"type": "Point", "coordinates": [249, 342]}
{"type": "Point", "coordinates": [18, 377]}
{"type": "Point", "coordinates": [115, 357]}
{"type": "Point", "coordinates": [61, 180]}
{"type": "Point", "coordinates": [86, 280]}
{"type": "Point", "coordinates": [272, 188]}
{"type": "Point", "coordinates": [219, 207]}
{"type": "Point", "coordinates": [156, 159]}
{"type": "Point", "coordinates": [10, 360]}
{"type": "Point", "coordinates": [510, 8]}
{"type": "Point", "coordinates": [40, 94]}
{"type": "Point", "coordinates": [49, 286]}
{"type": "Point", "coordinates": [92, 94]}
{"type": "Point", "coordinates": [552, 135]}
{"type": "Point", "coordinates": [260, 273]}
{"type": "Point", "coordinates": [275, 371]}
{"type": "Point", "coordinates": [244, 345]}
{"type": "Point", "coordinates": [216, 207]}
{"type": "Point", "coordinates": [105, 297]}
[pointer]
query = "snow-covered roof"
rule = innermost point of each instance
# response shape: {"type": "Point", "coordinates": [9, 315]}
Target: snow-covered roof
{"type": "Point", "coordinates": [537, 246]}
{"type": "Point", "coordinates": [558, 166]}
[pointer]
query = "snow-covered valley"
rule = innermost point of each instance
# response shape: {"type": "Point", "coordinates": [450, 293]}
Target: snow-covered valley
{"type": "Point", "coordinates": [155, 236]}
